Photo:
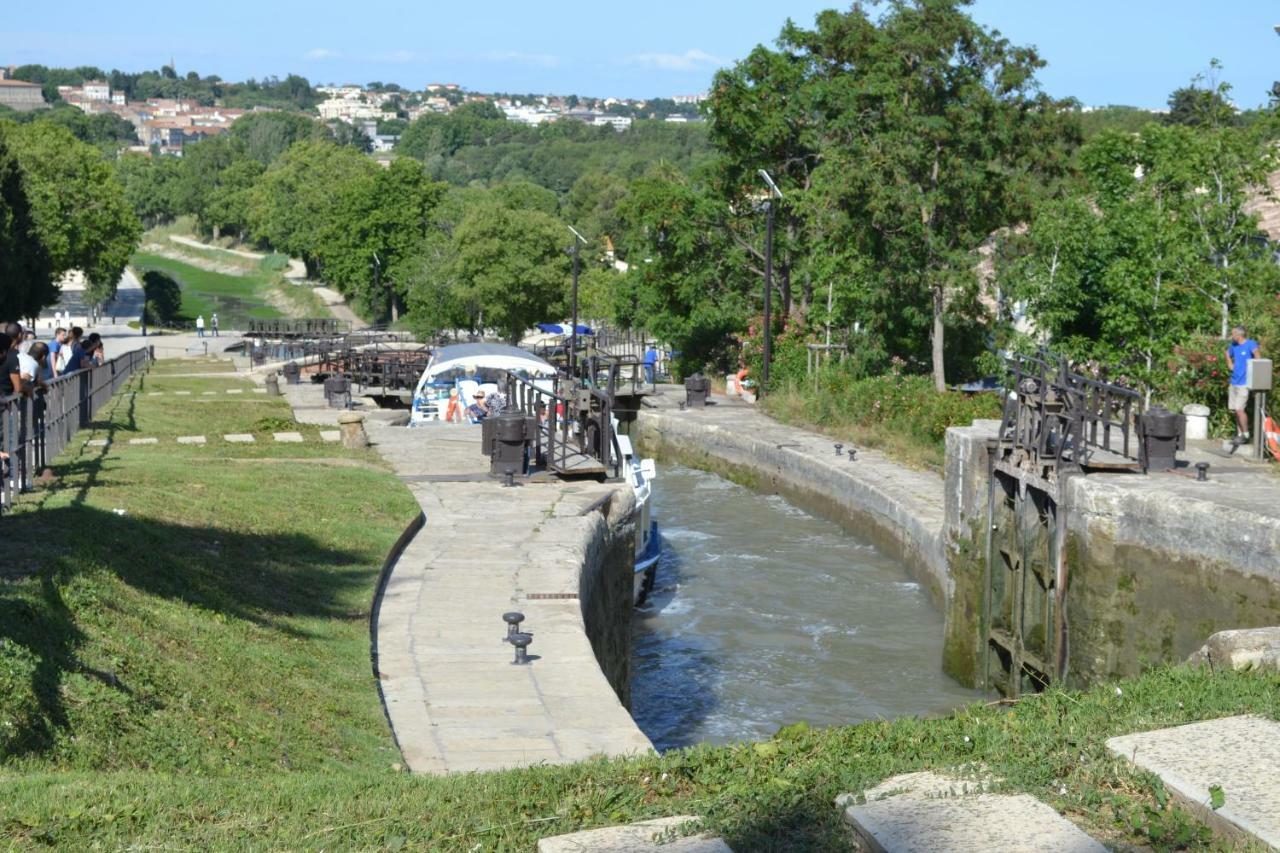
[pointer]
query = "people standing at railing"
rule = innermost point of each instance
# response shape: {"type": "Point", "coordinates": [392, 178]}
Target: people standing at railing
{"type": "Point", "coordinates": [74, 347]}
{"type": "Point", "coordinates": [52, 363]}
{"type": "Point", "coordinates": [95, 349]}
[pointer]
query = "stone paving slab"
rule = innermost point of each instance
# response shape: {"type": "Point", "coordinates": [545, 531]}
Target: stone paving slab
{"type": "Point", "coordinates": [239, 438]}
{"type": "Point", "coordinates": [648, 836]}
{"type": "Point", "coordinates": [929, 813]}
{"type": "Point", "coordinates": [259, 390]}
{"type": "Point", "coordinates": [191, 439]}
{"type": "Point", "coordinates": [182, 393]}
{"type": "Point", "coordinates": [97, 442]}
{"type": "Point", "coordinates": [144, 441]}
{"type": "Point", "coordinates": [235, 390]}
{"type": "Point", "coordinates": [288, 437]}
{"type": "Point", "coordinates": [330, 435]}
{"type": "Point", "coordinates": [1240, 755]}
{"type": "Point", "coordinates": [207, 393]}
{"type": "Point", "coordinates": [455, 701]}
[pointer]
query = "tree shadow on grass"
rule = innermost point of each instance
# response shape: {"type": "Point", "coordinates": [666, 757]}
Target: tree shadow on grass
{"type": "Point", "coordinates": [262, 578]}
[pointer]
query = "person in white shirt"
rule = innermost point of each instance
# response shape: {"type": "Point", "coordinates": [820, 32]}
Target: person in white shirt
{"type": "Point", "coordinates": [200, 326]}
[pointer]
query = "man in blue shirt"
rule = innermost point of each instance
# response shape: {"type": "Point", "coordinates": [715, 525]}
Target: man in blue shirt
{"type": "Point", "coordinates": [650, 364]}
{"type": "Point", "coordinates": [1239, 351]}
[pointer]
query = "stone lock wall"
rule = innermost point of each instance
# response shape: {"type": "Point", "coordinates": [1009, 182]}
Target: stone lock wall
{"type": "Point", "coordinates": [1152, 569]}
{"type": "Point", "coordinates": [606, 587]}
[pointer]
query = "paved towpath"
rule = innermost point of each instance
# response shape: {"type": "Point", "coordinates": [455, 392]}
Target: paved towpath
{"type": "Point", "coordinates": [455, 700]}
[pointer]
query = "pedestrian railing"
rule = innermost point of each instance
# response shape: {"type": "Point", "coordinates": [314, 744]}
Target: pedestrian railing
{"type": "Point", "coordinates": [35, 429]}
{"type": "Point", "coordinates": [575, 435]}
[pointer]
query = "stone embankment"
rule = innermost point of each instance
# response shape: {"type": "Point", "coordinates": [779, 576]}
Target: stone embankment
{"type": "Point", "coordinates": [1156, 563]}
{"type": "Point", "coordinates": [560, 553]}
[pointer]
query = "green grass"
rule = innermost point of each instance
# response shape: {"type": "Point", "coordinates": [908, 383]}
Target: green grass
{"type": "Point", "coordinates": [236, 298]}
{"type": "Point", "coordinates": [195, 674]}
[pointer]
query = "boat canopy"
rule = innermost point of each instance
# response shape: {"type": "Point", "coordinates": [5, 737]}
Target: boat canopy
{"type": "Point", "coordinates": [564, 329]}
{"type": "Point", "coordinates": [465, 360]}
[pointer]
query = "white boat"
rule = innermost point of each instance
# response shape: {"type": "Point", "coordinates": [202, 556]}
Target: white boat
{"type": "Point", "coordinates": [466, 367]}
{"type": "Point", "coordinates": [640, 474]}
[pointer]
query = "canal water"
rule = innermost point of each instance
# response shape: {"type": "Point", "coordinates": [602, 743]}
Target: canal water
{"type": "Point", "coordinates": [765, 615]}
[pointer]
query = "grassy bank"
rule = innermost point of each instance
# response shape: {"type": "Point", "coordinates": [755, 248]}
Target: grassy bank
{"type": "Point", "coordinates": [194, 673]}
{"type": "Point", "coordinates": [901, 415]}
{"type": "Point", "coordinates": [194, 609]}
{"type": "Point", "coordinates": [235, 298]}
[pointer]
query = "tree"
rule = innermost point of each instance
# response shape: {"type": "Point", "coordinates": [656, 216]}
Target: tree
{"type": "Point", "coordinates": [203, 165]}
{"type": "Point", "coordinates": [380, 218]}
{"type": "Point", "coordinates": [1204, 102]}
{"type": "Point", "coordinates": [78, 206]}
{"type": "Point", "coordinates": [266, 135]}
{"type": "Point", "coordinates": [296, 206]}
{"type": "Point", "coordinates": [150, 186]}
{"type": "Point", "coordinates": [511, 268]}
{"type": "Point", "coordinates": [934, 136]}
{"type": "Point", "coordinates": [1157, 248]}
{"type": "Point", "coordinates": [25, 266]}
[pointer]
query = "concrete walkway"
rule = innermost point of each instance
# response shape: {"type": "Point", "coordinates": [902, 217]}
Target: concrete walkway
{"type": "Point", "coordinates": [454, 698]}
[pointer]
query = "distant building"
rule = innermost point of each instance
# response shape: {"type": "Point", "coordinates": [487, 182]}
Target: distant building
{"type": "Point", "coordinates": [20, 95]}
{"type": "Point", "coordinates": [96, 90]}
{"type": "Point", "coordinates": [618, 123]}
{"type": "Point", "coordinates": [690, 99]}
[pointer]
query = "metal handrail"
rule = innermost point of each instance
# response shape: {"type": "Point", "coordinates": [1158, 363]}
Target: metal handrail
{"type": "Point", "coordinates": [35, 429]}
{"type": "Point", "coordinates": [1063, 417]}
{"type": "Point", "coordinates": [562, 436]}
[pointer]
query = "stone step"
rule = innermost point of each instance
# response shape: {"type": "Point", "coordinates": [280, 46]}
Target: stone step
{"type": "Point", "coordinates": [929, 813]}
{"type": "Point", "coordinates": [646, 835]}
{"type": "Point", "coordinates": [1235, 758]}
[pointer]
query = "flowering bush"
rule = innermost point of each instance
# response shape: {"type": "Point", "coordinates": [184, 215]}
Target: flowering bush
{"type": "Point", "coordinates": [1197, 372]}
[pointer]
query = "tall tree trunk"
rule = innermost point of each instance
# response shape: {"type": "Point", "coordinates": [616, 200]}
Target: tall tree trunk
{"type": "Point", "coordinates": [936, 338]}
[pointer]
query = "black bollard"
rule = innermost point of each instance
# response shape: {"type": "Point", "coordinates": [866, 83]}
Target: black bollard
{"type": "Point", "coordinates": [839, 448]}
{"type": "Point", "coordinates": [513, 619]}
{"type": "Point", "coordinates": [521, 641]}
{"type": "Point", "coordinates": [1202, 472]}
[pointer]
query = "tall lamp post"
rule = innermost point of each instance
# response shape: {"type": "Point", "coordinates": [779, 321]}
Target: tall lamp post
{"type": "Point", "coordinates": [578, 239]}
{"type": "Point", "coordinates": [774, 194]}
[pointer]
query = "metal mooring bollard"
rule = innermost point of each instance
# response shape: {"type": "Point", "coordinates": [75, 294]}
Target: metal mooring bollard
{"type": "Point", "coordinates": [1202, 472]}
{"type": "Point", "coordinates": [513, 619]}
{"type": "Point", "coordinates": [853, 452]}
{"type": "Point", "coordinates": [521, 641]}
{"type": "Point", "coordinates": [839, 448]}
{"type": "Point", "coordinates": [509, 477]}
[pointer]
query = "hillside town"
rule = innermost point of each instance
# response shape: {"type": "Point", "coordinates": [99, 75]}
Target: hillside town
{"type": "Point", "coordinates": [167, 125]}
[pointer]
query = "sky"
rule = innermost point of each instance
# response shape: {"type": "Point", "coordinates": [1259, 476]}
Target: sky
{"type": "Point", "coordinates": [1100, 51]}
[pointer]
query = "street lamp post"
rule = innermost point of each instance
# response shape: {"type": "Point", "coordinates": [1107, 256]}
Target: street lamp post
{"type": "Point", "coordinates": [774, 193]}
{"type": "Point", "coordinates": [573, 329]}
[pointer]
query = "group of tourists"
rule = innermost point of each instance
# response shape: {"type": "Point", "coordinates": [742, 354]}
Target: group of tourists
{"type": "Point", "coordinates": [29, 363]}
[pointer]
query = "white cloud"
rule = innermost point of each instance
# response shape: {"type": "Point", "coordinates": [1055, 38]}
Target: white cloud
{"type": "Point", "coordinates": [690, 60]}
{"type": "Point", "coordinates": [542, 60]}
{"type": "Point", "coordinates": [322, 53]}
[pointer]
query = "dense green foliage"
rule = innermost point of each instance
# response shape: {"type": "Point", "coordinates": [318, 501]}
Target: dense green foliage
{"type": "Point", "coordinates": [80, 215]}
{"type": "Point", "coordinates": [25, 266]}
{"type": "Point", "coordinates": [1153, 250]}
{"type": "Point", "coordinates": [107, 131]}
{"type": "Point", "coordinates": [293, 92]}
{"type": "Point", "coordinates": [472, 144]}
{"type": "Point", "coordinates": [202, 292]}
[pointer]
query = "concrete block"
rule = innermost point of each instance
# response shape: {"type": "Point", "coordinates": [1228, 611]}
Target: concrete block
{"type": "Point", "coordinates": [207, 393]}
{"type": "Point", "coordinates": [144, 440]}
{"type": "Point", "coordinates": [239, 438]}
{"type": "Point", "coordinates": [1243, 650]}
{"type": "Point", "coordinates": [191, 439]}
{"type": "Point", "coordinates": [288, 437]}
{"type": "Point", "coordinates": [182, 393]}
{"type": "Point", "coordinates": [97, 442]}
{"type": "Point", "coordinates": [648, 835]}
{"type": "Point", "coordinates": [235, 390]}
{"type": "Point", "coordinates": [930, 813]}
{"type": "Point", "coordinates": [330, 435]}
{"type": "Point", "coordinates": [1239, 755]}
{"type": "Point", "coordinates": [259, 390]}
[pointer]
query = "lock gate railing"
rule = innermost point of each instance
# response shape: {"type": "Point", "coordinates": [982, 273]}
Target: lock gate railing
{"type": "Point", "coordinates": [1056, 423]}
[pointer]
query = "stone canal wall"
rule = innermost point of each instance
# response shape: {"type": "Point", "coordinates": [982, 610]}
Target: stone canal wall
{"type": "Point", "coordinates": [1156, 563]}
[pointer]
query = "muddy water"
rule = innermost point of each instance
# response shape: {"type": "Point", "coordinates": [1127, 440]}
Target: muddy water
{"type": "Point", "coordinates": [765, 615]}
